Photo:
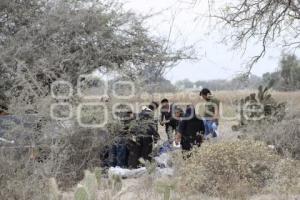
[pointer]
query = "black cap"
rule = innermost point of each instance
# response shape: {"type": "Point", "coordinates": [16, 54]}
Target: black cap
{"type": "Point", "coordinates": [205, 92]}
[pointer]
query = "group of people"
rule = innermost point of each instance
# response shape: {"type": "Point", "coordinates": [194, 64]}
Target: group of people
{"type": "Point", "coordinates": [184, 130]}
{"type": "Point", "coordinates": [137, 136]}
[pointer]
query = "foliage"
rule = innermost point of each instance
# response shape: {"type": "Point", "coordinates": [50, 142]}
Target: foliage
{"type": "Point", "coordinates": [228, 169]}
{"type": "Point", "coordinates": [288, 76]}
{"type": "Point", "coordinates": [286, 177]}
{"type": "Point", "coordinates": [235, 84]}
{"type": "Point", "coordinates": [260, 108]}
{"type": "Point", "coordinates": [61, 40]}
{"type": "Point", "coordinates": [115, 184]}
{"type": "Point", "coordinates": [87, 190]}
{"type": "Point", "coordinates": [21, 178]}
{"type": "Point", "coordinates": [54, 193]}
{"type": "Point", "coordinates": [284, 135]}
{"type": "Point", "coordinates": [184, 84]}
{"type": "Point", "coordinates": [81, 194]}
{"type": "Point", "coordinates": [165, 188]}
{"type": "Point", "coordinates": [42, 41]}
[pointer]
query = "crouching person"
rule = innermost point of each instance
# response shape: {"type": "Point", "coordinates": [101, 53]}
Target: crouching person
{"type": "Point", "coordinates": [145, 135]}
{"type": "Point", "coordinates": [191, 129]}
{"type": "Point", "coordinates": [119, 151]}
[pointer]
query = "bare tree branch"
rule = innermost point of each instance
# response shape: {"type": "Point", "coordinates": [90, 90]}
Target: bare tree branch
{"type": "Point", "coordinates": [262, 21]}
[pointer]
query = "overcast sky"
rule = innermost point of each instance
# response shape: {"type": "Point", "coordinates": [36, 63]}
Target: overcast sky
{"type": "Point", "coordinates": [192, 26]}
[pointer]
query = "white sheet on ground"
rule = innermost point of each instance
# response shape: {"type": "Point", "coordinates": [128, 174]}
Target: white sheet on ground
{"type": "Point", "coordinates": [136, 173]}
{"type": "Point", "coordinates": [164, 169]}
{"type": "Point", "coordinates": [163, 161]}
{"type": "Point", "coordinates": [127, 173]}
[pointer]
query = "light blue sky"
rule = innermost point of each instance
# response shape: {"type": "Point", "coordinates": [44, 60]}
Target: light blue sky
{"type": "Point", "coordinates": [192, 26]}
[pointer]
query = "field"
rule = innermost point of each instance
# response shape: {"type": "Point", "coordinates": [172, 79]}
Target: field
{"type": "Point", "coordinates": [259, 163]}
{"type": "Point", "coordinates": [280, 187]}
{"type": "Point", "coordinates": [229, 115]}
{"type": "Point", "coordinates": [228, 99]}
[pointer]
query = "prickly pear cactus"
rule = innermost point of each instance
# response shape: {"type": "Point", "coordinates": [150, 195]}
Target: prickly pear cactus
{"type": "Point", "coordinates": [91, 184]}
{"type": "Point", "coordinates": [54, 193]}
{"type": "Point", "coordinates": [98, 174]}
{"type": "Point", "coordinates": [151, 167]}
{"type": "Point", "coordinates": [81, 193]}
{"type": "Point", "coordinates": [116, 182]}
{"type": "Point", "coordinates": [88, 187]}
{"type": "Point", "coordinates": [258, 107]}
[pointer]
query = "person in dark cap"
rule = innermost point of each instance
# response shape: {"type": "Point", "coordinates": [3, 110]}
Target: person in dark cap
{"type": "Point", "coordinates": [153, 106]}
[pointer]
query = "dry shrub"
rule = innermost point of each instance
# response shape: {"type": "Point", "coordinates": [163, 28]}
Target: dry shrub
{"type": "Point", "coordinates": [228, 169]}
{"type": "Point", "coordinates": [286, 178]}
{"type": "Point", "coordinates": [284, 135]}
{"type": "Point", "coordinates": [72, 154]}
{"type": "Point", "coordinates": [63, 155]}
{"type": "Point", "coordinates": [20, 177]}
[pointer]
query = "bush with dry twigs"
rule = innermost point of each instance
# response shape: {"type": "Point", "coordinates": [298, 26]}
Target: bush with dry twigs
{"type": "Point", "coordinates": [231, 169]}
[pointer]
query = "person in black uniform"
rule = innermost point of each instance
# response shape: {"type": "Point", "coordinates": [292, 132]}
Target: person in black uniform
{"type": "Point", "coordinates": [175, 120]}
{"type": "Point", "coordinates": [119, 151]}
{"type": "Point", "coordinates": [145, 134]}
{"type": "Point", "coordinates": [170, 115]}
{"type": "Point", "coordinates": [165, 117]}
{"type": "Point", "coordinates": [191, 129]}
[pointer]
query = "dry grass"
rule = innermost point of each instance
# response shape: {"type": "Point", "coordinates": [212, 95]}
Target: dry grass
{"type": "Point", "coordinates": [226, 168]}
{"type": "Point", "coordinates": [228, 100]}
{"type": "Point", "coordinates": [232, 169]}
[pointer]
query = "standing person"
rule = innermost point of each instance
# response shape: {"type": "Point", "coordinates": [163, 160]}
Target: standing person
{"type": "Point", "coordinates": [175, 120]}
{"type": "Point", "coordinates": [166, 118]}
{"type": "Point", "coordinates": [211, 113]}
{"type": "Point", "coordinates": [191, 130]}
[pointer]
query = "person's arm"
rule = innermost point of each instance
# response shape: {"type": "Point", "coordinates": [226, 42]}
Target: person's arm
{"type": "Point", "coordinates": [182, 127]}
{"type": "Point", "coordinates": [217, 111]}
{"type": "Point", "coordinates": [161, 118]}
{"type": "Point", "coordinates": [154, 132]}
{"type": "Point", "coordinates": [202, 128]}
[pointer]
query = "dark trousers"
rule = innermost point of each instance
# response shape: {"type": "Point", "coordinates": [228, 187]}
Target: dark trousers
{"type": "Point", "coordinates": [142, 148]}
{"type": "Point", "coordinates": [119, 154]}
{"type": "Point", "coordinates": [187, 143]}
